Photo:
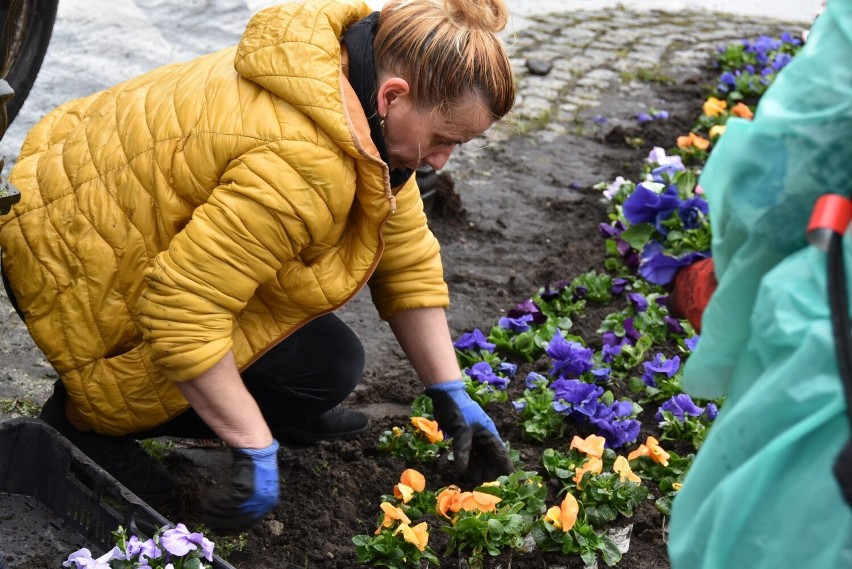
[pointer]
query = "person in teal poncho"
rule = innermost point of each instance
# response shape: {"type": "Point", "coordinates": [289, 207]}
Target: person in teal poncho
{"type": "Point", "coordinates": [761, 492]}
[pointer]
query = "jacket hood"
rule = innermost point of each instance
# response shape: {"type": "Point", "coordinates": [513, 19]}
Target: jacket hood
{"type": "Point", "coordinates": [293, 50]}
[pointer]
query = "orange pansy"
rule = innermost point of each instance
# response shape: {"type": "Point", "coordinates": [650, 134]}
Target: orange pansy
{"type": "Point", "coordinates": [713, 107]}
{"type": "Point", "coordinates": [392, 515]}
{"type": "Point", "coordinates": [447, 500]}
{"type": "Point", "coordinates": [622, 468]}
{"type": "Point", "coordinates": [564, 516]}
{"type": "Point", "coordinates": [480, 501]}
{"type": "Point", "coordinates": [742, 110]}
{"type": "Point", "coordinates": [692, 140]}
{"type": "Point", "coordinates": [593, 445]}
{"type": "Point", "coordinates": [593, 465]}
{"type": "Point", "coordinates": [418, 535]}
{"type": "Point", "coordinates": [414, 479]}
{"type": "Point", "coordinates": [656, 452]}
{"type": "Point", "coordinates": [430, 428]}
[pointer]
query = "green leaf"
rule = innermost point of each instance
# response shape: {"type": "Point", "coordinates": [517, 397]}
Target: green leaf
{"type": "Point", "coordinates": [637, 235]}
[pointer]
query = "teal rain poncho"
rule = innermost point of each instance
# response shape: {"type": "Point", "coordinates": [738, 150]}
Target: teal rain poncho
{"type": "Point", "coordinates": [761, 493]}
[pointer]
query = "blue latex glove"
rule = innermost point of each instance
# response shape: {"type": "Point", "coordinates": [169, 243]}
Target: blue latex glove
{"type": "Point", "coordinates": [254, 490]}
{"type": "Point", "coordinates": [478, 451]}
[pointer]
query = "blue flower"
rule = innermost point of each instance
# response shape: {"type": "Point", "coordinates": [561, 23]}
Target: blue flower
{"type": "Point", "coordinates": [611, 347]}
{"type": "Point", "coordinates": [618, 285]}
{"type": "Point", "coordinates": [570, 359]}
{"type": "Point", "coordinates": [666, 172]}
{"type": "Point", "coordinates": [692, 343]}
{"type": "Point", "coordinates": [660, 365]}
{"type": "Point", "coordinates": [573, 395]}
{"type": "Point", "coordinates": [638, 300]}
{"type": "Point", "coordinates": [528, 306]}
{"type": "Point", "coordinates": [692, 211]}
{"type": "Point", "coordinates": [508, 369]}
{"type": "Point", "coordinates": [710, 411]}
{"type": "Point", "coordinates": [673, 325]}
{"type": "Point", "coordinates": [599, 119]}
{"type": "Point", "coordinates": [535, 380]}
{"type": "Point", "coordinates": [631, 334]}
{"type": "Point", "coordinates": [727, 82]}
{"type": "Point", "coordinates": [519, 405]}
{"type": "Point", "coordinates": [642, 118]}
{"type": "Point", "coordinates": [614, 424]}
{"type": "Point", "coordinates": [517, 325]}
{"type": "Point", "coordinates": [474, 341]}
{"type": "Point", "coordinates": [781, 60]}
{"type": "Point", "coordinates": [660, 115]}
{"type": "Point", "coordinates": [601, 374]}
{"type": "Point", "coordinates": [680, 406]}
{"type": "Point", "coordinates": [792, 40]}
{"type": "Point", "coordinates": [482, 372]}
{"type": "Point", "coordinates": [645, 205]}
{"type": "Point", "coordinates": [659, 268]}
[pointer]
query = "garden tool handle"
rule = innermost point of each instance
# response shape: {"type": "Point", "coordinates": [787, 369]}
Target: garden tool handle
{"type": "Point", "coordinates": [829, 221]}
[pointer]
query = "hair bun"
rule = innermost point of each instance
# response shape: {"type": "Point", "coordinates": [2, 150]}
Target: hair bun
{"type": "Point", "coordinates": [486, 15]}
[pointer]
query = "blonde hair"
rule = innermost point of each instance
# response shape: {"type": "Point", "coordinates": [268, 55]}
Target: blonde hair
{"type": "Point", "coordinates": [447, 50]}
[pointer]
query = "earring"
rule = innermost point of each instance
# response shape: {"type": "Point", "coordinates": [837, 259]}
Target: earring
{"type": "Point", "coordinates": [382, 124]}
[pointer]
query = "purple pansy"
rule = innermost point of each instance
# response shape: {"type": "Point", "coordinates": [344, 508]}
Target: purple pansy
{"type": "Point", "coordinates": [611, 346]}
{"type": "Point", "coordinates": [673, 325]}
{"type": "Point", "coordinates": [179, 541]}
{"type": "Point", "coordinates": [692, 343]}
{"type": "Point", "coordinates": [474, 340]}
{"type": "Point", "coordinates": [573, 395]}
{"type": "Point", "coordinates": [681, 406]}
{"type": "Point", "coordinates": [710, 411]}
{"type": "Point", "coordinates": [659, 268]}
{"type": "Point", "coordinates": [570, 359]}
{"type": "Point", "coordinates": [613, 423]}
{"type": "Point", "coordinates": [631, 334]}
{"type": "Point", "coordinates": [517, 325]}
{"type": "Point", "coordinates": [618, 286]}
{"type": "Point", "coordinates": [483, 373]}
{"type": "Point", "coordinates": [528, 306]}
{"type": "Point", "coordinates": [645, 205]}
{"type": "Point", "coordinates": [665, 172]}
{"type": "Point", "coordinates": [692, 211]}
{"type": "Point", "coordinates": [535, 380]}
{"type": "Point", "coordinates": [660, 365]}
{"type": "Point", "coordinates": [638, 300]}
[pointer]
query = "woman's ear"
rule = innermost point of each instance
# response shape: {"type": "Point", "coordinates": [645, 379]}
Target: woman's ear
{"type": "Point", "coordinates": [390, 90]}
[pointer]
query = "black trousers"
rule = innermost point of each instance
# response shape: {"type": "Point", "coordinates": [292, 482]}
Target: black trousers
{"type": "Point", "coordinates": [310, 372]}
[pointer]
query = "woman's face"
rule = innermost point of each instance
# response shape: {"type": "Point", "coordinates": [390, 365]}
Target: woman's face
{"type": "Point", "coordinates": [416, 137]}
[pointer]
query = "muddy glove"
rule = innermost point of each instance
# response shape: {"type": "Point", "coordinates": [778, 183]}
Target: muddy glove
{"type": "Point", "coordinates": [253, 491]}
{"type": "Point", "coordinates": [479, 454]}
{"type": "Point", "coordinates": [691, 290]}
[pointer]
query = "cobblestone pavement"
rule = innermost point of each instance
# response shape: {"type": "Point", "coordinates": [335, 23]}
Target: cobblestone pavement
{"type": "Point", "coordinates": [593, 55]}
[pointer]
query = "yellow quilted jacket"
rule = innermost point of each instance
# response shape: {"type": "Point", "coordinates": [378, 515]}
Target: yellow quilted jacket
{"type": "Point", "coordinates": [204, 207]}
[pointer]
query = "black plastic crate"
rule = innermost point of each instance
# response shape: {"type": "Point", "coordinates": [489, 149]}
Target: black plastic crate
{"type": "Point", "coordinates": [55, 500]}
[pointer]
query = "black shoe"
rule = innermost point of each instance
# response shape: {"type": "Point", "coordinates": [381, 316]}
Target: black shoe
{"type": "Point", "coordinates": [122, 456]}
{"type": "Point", "coordinates": [335, 423]}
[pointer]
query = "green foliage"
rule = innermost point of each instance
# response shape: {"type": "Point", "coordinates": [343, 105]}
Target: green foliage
{"type": "Point", "coordinates": [597, 286]}
{"type": "Point", "coordinates": [520, 487]}
{"type": "Point", "coordinates": [476, 533]}
{"type": "Point", "coordinates": [391, 551]}
{"type": "Point", "coordinates": [691, 429]}
{"type": "Point", "coordinates": [666, 477]}
{"type": "Point", "coordinates": [538, 420]}
{"type": "Point", "coordinates": [580, 540]}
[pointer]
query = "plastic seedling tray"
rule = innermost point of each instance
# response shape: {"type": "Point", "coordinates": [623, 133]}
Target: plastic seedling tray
{"type": "Point", "coordinates": [55, 500]}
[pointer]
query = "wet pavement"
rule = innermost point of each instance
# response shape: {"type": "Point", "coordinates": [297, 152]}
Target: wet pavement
{"type": "Point", "coordinates": [590, 54]}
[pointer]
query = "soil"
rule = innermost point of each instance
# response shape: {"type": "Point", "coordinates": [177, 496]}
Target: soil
{"type": "Point", "coordinates": [516, 215]}
{"type": "Point", "coordinates": [511, 218]}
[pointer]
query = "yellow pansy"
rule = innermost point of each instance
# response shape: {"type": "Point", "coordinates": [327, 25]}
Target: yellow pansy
{"type": "Point", "coordinates": [622, 468]}
{"type": "Point", "coordinates": [717, 130]}
{"type": "Point", "coordinates": [677, 486]}
{"type": "Point", "coordinates": [403, 492]}
{"type": "Point", "coordinates": [593, 465]}
{"type": "Point", "coordinates": [418, 535]}
{"type": "Point", "coordinates": [429, 428]}
{"type": "Point", "coordinates": [593, 445]}
{"type": "Point", "coordinates": [392, 515]}
{"type": "Point", "coordinates": [713, 107]}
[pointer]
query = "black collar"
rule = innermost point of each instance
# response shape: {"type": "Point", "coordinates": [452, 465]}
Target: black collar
{"type": "Point", "coordinates": [362, 75]}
